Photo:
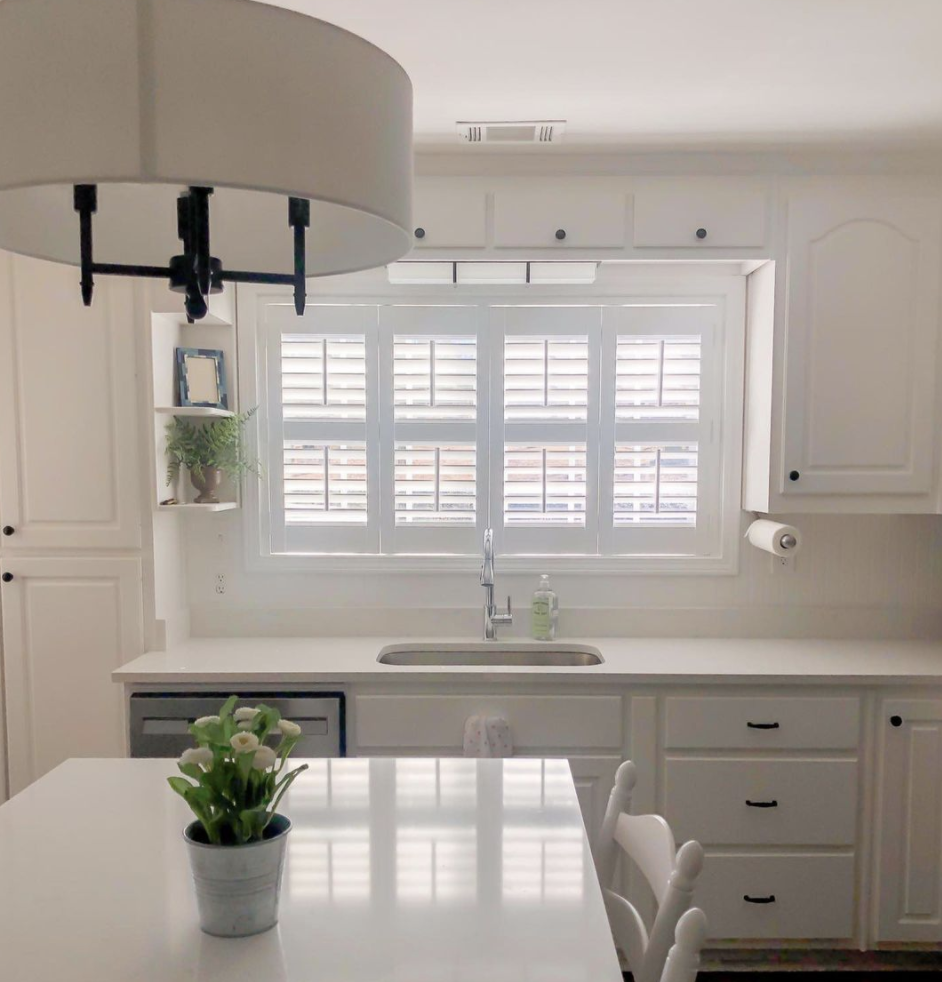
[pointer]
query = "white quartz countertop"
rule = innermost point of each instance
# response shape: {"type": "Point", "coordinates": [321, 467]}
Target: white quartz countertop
{"type": "Point", "coordinates": [477, 870]}
{"type": "Point", "coordinates": [208, 661]}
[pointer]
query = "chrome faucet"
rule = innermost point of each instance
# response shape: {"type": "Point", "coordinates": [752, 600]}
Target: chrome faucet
{"type": "Point", "coordinates": [492, 617]}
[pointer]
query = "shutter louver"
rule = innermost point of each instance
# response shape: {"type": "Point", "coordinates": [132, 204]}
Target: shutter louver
{"type": "Point", "coordinates": [657, 378]}
{"type": "Point", "coordinates": [435, 378]}
{"type": "Point", "coordinates": [655, 485]}
{"type": "Point", "coordinates": [435, 485]}
{"type": "Point", "coordinates": [545, 485]}
{"type": "Point", "coordinates": [546, 379]}
{"type": "Point", "coordinates": [323, 378]}
{"type": "Point", "coordinates": [325, 484]}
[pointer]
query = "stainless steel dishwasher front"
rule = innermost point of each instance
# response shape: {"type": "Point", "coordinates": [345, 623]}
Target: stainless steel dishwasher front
{"type": "Point", "coordinates": [159, 721]}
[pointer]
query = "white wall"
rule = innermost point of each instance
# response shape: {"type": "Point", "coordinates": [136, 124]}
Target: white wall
{"type": "Point", "coordinates": [865, 576]}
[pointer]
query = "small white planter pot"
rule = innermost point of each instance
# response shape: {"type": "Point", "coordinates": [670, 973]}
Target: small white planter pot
{"type": "Point", "coordinates": [237, 887]}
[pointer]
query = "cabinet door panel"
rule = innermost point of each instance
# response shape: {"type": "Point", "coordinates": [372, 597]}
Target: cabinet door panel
{"type": "Point", "coordinates": [532, 219]}
{"type": "Point", "coordinates": [910, 865]}
{"type": "Point", "coordinates": [668, 214]}
{"type": "Point", "coordinates": [862, 320]}
{"type": "Point", "coordinates": [68, 410]}
{"type": "Point", "coordinates": [67, 623]}
{"type": "Point", "coordinates": [450, 217]}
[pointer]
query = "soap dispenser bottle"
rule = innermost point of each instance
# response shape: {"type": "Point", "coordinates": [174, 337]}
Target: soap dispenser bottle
{"type": "Point", "coordinates": [544, 611]}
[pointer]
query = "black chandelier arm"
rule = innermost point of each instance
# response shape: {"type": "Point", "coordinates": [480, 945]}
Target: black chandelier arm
{"type": "Point", "coordinates": [244, 276]}
{"type": "Point", "coordinates": [299, 218]}
{"type": "Point", "coordinates": [121, 269]}
{"type": "Point", "coordinates": [85, 202]}
{"type": "Point", "coordinates": [196, 273]}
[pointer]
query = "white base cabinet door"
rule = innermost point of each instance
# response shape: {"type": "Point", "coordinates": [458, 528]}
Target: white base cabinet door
{"type": "Point", "coordinates": [67, 623]}
{"type": "Point", "coordinates": [862, 318]}
{"type": "Point", "coordinates": [909, 888]}
{"type": "Point", "coordinates": [69, 477]}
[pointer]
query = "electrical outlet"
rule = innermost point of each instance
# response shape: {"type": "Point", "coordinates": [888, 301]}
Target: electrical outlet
{"type": "Point", "coordinates": [220, 583]}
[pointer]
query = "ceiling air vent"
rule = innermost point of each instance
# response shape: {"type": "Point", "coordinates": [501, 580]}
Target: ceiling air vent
{"type": "Point", "coordinates": [519, 131]}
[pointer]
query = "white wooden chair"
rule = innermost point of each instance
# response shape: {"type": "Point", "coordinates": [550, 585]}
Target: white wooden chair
{"type": "Point", "coordinates": [683, 960]}
{"type": "Point", "coordinates": [649, 842]}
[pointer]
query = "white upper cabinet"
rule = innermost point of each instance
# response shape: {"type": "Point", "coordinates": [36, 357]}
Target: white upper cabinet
{"type": "Point", "coordinates": [862, 320]}
{"type": "Point", "coordinates": [69, 467]}
{"type": "Point", "coordinates": [700, 214]}
{"type": "Point", "coordinates": [559, 217]}
{"type": "Point", "coordinates": [447, 215]}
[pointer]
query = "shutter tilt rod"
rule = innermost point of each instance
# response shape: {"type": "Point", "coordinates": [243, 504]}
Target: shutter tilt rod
{"type": "Point", "coordinates": [196, 273]}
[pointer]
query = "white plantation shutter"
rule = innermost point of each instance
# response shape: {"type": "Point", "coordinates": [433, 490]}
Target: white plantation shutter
{"type": "Point", "coordinates": [323, 377]}
{"type": "Point", "coordinates": [547, 372]}
{"type": "Point", "coordinates": [659, 467]}
{"type": "Point", "coordinates": [579, 430]}
{"type": "Point", "coordinates": [323, 482]}
{"type": "Point", "coordinates": [435, 378]}
{"type": "Point", "coordinates": [655, 485]}
{"type": "Point", "coordinates": [435, 485]}
{"type": "Point", "coordinates": [545, 486]}
{"type": "Point", "coordinates": [433, 457]}
{"type": "Point", "coordinates": [657, 377]}
{"type": "Point", "coordinates": [546, 378]}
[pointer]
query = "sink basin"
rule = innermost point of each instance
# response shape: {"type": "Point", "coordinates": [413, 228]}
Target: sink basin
{"type": "Point", "coordinates": [494, 653]}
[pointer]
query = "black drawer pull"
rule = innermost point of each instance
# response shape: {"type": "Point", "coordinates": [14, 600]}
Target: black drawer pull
{"type": "Point", "coordinates": [896, 721]}
{"type": "Point", "coordinates": [762, 726]}
{"type": "Point", "coordinates": [770, 899]}
{"type": "Point", "coordinates": [763, 804]}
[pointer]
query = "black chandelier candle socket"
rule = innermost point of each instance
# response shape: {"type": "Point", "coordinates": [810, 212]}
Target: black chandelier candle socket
{"type": "Point", "coordinates": [196, 273]}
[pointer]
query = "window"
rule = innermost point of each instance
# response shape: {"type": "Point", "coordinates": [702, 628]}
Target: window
{"type": "Point", "coordinates": [574, 430]}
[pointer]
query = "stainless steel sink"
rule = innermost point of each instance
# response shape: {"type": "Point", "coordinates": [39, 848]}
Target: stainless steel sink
{"type": "Point", "coordinates": [491, 653]}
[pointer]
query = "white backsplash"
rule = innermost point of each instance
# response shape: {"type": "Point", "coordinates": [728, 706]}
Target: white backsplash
{"type": "Point", "coordinates": [856, 576]}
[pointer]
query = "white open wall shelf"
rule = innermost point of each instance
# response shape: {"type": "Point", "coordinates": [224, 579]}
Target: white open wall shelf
{"type": "Point", "coordinates": [198, 411]}
{"type": "Point", "coordinates": [169, 330]}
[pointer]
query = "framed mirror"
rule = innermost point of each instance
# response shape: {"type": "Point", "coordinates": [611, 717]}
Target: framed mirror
{"type": "Point", "coordinates": [201, 378]}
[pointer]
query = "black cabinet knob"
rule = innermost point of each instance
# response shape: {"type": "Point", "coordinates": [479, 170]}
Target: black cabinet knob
{"type": "Point", "coordinates": [560, 234]}
{"type": "Point", "coordinates": [8, 530]}
{"type": "Point", "coordinates": [6, 577]}
{"type": "Point", "coordinates": [896, 721]}
{"type": "Point", "coordinates": [701, 233]}
{"type": "Point", "coordinates": [420, 233]}
{"type": "Point", "coordinates": [793, 475]}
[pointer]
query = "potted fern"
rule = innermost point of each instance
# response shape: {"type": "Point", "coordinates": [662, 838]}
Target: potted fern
{"type": "Point", "coordinates": [208, 451]}
{"type": "Point", "coordinates": [233, 780]}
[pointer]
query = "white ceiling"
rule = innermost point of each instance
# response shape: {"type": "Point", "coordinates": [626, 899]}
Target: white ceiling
{"type": "Point", "coordinates": [640, 74]}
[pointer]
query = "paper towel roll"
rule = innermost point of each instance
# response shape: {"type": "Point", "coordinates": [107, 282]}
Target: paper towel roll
{"type": "Point", "coordinates": [768, 535]}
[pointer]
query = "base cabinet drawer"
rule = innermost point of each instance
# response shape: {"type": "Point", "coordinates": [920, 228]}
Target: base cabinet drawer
{"type": "Point", "coordinates": [436, 723]}
{"type": "Point", "coordinates": [796, 896]}
{"type": "Point", "coordinates": [762, 723]}
{"type": "Point", "coordinates": [761, 802]}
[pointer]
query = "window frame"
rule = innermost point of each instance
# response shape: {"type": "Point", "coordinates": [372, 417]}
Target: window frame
{"type": "Point", "coordinates": [723, 288]}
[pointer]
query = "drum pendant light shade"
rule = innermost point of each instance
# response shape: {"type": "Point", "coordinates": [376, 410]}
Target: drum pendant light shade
{"type": "Point", "coordinates": [147, 98]}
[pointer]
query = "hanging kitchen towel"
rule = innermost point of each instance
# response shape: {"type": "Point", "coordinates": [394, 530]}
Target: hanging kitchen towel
{"type": "Point", "coordinates": [487, 736]}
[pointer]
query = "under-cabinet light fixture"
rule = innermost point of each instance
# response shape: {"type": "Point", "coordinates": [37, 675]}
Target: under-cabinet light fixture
{"type": "Point", "coordinates": [409, 273]}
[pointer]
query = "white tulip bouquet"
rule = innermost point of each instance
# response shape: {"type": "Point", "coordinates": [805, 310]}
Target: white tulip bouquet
{"type": "Point", "coordinates": [239, 778]}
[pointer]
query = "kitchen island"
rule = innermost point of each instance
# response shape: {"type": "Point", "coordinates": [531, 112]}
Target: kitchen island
{"type": "Point", "coordinates": [395, 870]}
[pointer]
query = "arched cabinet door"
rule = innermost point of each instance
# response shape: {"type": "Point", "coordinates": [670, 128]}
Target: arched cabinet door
{"type": "Point", "coordinates": [862, 326]}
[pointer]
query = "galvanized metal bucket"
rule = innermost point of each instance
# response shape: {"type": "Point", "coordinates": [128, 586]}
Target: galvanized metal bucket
{"type": "Point", "coordinates": [237, 887]}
